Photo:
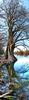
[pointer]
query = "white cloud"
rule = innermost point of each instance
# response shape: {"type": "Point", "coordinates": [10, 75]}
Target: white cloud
{"type": "Point", "coordinates": [20, 47]}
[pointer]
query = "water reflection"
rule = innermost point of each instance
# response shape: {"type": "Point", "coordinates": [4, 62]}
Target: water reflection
{"type": "Point", "coordinates": [4, 79]}
{"type": "Point", "coordinates": [15, 77]}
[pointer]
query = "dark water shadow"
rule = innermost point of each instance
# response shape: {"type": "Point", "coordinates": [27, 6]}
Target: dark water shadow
{"type": "Point", "coordinates": [11, 81]}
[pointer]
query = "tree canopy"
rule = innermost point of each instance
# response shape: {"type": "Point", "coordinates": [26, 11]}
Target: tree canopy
{"type": "Point", "coordinates": [17, 19]}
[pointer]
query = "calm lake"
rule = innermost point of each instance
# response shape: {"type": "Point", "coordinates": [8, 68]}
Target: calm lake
{"type": "Point", "coordinates": [21, 69]}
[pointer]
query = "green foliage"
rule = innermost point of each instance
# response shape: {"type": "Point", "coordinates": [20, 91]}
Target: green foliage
{"type": "Point", "coordinates": [1, 52]}
{"type": "Point", "coordinates": [1, 74]}
{"type": "Point", "coordinates": [9, 97]}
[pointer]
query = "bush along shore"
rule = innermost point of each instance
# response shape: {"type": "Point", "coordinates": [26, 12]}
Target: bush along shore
{"type": "Point", "coordinates": [26, 53]}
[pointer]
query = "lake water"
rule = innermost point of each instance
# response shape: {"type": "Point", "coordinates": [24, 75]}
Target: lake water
{"type": "Point", "coordinates": [19, 68]}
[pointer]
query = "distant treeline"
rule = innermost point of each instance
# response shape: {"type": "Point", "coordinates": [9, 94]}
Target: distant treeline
{"type": "Point", "coordinates": [22, 52]}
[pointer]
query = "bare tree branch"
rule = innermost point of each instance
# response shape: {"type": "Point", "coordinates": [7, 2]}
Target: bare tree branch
{"type": "Point", "coordinates": [17, 19]}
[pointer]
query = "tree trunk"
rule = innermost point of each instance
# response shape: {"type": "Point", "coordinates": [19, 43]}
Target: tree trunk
{"type": "Point", "coordinates": [10, 46]}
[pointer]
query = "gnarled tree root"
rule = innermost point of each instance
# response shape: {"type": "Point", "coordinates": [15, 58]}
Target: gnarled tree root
{"type": "Point", "coordinates": [3, 60]}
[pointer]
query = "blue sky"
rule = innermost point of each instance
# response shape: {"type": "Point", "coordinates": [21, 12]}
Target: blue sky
{"type": "Point", "coordinates": [26, 3]}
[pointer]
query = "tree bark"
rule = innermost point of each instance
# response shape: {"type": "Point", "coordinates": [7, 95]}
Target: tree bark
{"type": "Point", "coordinates": [10, 59]}
{"type": "Point", "coordinates": [10, 47]}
